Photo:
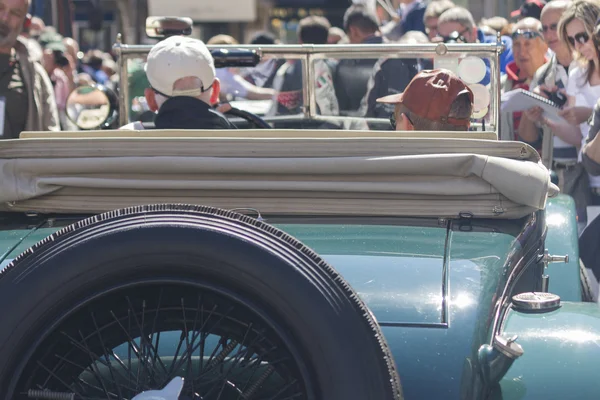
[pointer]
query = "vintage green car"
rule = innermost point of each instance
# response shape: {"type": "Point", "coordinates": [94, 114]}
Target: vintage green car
{"type": "Point", "coordinates": [291, 264]}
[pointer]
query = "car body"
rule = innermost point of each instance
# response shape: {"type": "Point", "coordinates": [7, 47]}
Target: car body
{"type": "Point", "coordinates": [440, 284]}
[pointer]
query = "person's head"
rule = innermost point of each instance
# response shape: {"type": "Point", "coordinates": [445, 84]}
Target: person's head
{"type": "Point", "coordinates": [435, 100]}
{"type": "Point", "coordinates": [263, 38]}
{"type": "Point", "coordinates": [529, 9]}
{"type": "Point", "coordinates": [72, 51]}
{"type": "Point", "coordinates": [529, 48]}
{"type": "Point", "coordinates": [498, 24]}
{"type": "Point", "coordinates": [36, 26]}
{"type": "Point", "coordinates": [576, 28]}
{"type": "Point", "coordinates": [13, 14]}
{"type": "Point", "coordinates": [360, 23]}
{"type": "Point", "coordinates": [335, 35]}
{"type": "Point", "coordinates": [458, 19]}
{"type": "Point", "coordinates": [550, 16]}
{"type": "Point", "coordinates": [180, 66]}
{"type": "Point", "coordinates": [313, 30]}
{"type": "Point", "coordinates": [432, 13]}
{"type": "Point", "coordinates": [222, 39]}
{"type": "Point", "coordinates": [488, 31]}
{"type": "Point", "coordinates": [413, 37]}
{"type": "Point", "coordinates": [94, 59]}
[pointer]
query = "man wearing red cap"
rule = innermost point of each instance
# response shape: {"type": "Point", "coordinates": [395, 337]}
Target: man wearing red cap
{"type": "Point", "coordinates": [435, 100]}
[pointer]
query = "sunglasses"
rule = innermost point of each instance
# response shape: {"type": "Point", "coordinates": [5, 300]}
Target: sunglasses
{"type": "Point", "coordinates": [526, 33]}
{"type": "Point", "coordinates": [393, 119]}
{"type": "Point", "coordinates": [551, 27]}
{"type": "Point", "coordinates": [581, 38]}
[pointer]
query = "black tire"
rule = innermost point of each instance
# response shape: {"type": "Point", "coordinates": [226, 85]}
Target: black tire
{"type": "Point", "coordinates": [336, 334]}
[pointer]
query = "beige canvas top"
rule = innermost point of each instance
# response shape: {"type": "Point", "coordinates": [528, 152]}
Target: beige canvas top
{"type": "Point", "coordinates": [276, 172]}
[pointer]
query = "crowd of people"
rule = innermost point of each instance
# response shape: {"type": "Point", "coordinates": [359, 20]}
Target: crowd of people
{"type": "Point", "coordinates": [551, 49]}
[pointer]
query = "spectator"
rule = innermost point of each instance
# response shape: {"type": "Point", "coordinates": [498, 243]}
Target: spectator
{"type": "Point", "coordinates": [336, 35]}
{"type": "Point", "coordinates": [72, 54]}
{"type": "Point", "coordinates": [390, 76]}
{"type": "Point", "coordinates": [498, 24]}
{"type": "Point", "coordinates": [460, 20]}
{"type": "Point", "coordinates": [264, 37]}
{"type": "Point", "coordinates": [183, 84]}
{"type": "Point", "coordinates": [411, 19]}
{"type": "Point", "coordinates": [590, 152]}
{"type": "Point", "coordinates": [288, 83]}
{"type": "Point", "coordinates": [434, 100]}
{"type": "Point", "coordinates": [264, 73]}
{"type": "Point", "coordinates": [92, 65]}
{"type": "Point", "coordinates": [432, 14]}
{"type": "Point", "coordinates": [529, 9]}
{"type": "Point", "coordinates": [233, 85]}
{"type": "Point", "coordinates": [55, 62]}
{"type": "Point", "coordinates": [529, 50]}
{"type": "Point", "coordinates": [352, 75]}
{"type": "Point", "coordinates": [550, 80]}
{"type": "Point", "coordinates": [29, 102]}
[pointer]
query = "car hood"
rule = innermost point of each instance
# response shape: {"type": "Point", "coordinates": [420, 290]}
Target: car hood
{"type": "Point", "coordinates": [412, 275]}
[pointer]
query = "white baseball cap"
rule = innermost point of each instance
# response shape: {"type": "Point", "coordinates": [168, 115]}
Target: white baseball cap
{"type": "Point", "coordinates": [179, 57]}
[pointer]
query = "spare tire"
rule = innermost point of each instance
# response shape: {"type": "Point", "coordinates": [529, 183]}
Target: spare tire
{"type": "Point", "coordinates": [117, 284]}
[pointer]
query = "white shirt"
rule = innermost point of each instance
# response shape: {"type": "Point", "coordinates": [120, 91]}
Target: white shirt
{"type": "Point", "coordinates": [133, 126]}
{"type": "Point", "coordinates": [232, 83]}
{"type": "Point", "coordinates": [585, 96]}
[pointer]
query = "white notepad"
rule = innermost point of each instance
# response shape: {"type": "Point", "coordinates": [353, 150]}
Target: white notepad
{"type": "Point", "coordinates": [521, 100]}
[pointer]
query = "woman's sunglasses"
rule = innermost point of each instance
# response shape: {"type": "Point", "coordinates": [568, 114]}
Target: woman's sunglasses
{"type": "Point", "coordinates": [581, 38]}
{"type": "Point", "coordinates": [551, 27]}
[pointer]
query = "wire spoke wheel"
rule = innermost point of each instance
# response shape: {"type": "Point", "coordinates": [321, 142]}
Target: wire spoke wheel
{"type": "Point", "coordinates": [137, 339]}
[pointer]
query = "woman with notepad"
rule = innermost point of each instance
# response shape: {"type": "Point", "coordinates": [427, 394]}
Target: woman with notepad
{"type": "Point", "coordinates": [576, 27]}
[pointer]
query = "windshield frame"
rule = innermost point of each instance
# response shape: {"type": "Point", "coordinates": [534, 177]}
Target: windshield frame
{"type": "Point", "coordinates": [310, 53]}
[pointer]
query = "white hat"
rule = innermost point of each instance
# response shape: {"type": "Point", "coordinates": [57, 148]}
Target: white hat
{"type": "Point", "coordinates": [179, 57]}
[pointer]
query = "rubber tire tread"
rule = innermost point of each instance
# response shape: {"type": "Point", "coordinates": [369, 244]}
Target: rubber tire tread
{"type": "Point", "coordinates": [314, 267]}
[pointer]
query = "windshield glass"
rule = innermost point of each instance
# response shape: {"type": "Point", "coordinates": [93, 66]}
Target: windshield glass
{"type": "Point", "coordinates": [337, 87]}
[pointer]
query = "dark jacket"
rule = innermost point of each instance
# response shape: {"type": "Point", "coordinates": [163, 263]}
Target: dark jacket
{"type": "Point", "coordinates": [189, 113]}
{"type": "Point", "coordinates": [351, 79]}
{"type": "Point", "coordinates": [390, 76]}
{"type": "Point", "coordinates": [413, 21]}
{"type": "Point", "coordinates": [591, 166]}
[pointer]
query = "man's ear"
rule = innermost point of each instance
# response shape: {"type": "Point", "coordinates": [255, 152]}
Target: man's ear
{"type": "Point", "coordinates": [151, 99]}
{"type": "Point", "coordinates": [216, 90]}
{"type": "Point", "coordinates": [404, 124]}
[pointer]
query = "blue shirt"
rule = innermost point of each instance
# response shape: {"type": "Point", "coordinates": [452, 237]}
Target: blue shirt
{"type": "Point", "coordinates": [505, 58]}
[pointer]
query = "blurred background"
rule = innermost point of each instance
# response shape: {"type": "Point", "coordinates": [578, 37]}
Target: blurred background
{"type": "Point", "coordinates": [95, 23]}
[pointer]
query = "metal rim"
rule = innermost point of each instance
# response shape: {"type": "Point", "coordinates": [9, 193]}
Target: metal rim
{"type": "Point", "coordinates": [535, 301]}
{"type": "Point", "coordinates": [225, 346]}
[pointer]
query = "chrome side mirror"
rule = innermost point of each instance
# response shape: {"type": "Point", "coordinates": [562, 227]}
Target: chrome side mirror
{"type": "Point", "coordinates": [91, 107]}
{"type": "Point", "coordinates": [163, 27]}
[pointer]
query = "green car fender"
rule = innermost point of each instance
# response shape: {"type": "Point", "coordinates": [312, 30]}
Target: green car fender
{"type": "Point", "coordinates": [561, 240]}
{"type": "Point", "coordinates": [561, 354]}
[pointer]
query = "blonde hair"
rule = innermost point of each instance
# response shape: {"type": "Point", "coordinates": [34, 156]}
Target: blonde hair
{"type": "Point", "coordinates": [222, 39]}
{"type": "Point", "coordinates": [587, 11]}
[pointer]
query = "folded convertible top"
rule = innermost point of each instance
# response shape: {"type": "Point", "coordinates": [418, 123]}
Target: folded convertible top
{"type": "Point", "coordinates": [276, 172]}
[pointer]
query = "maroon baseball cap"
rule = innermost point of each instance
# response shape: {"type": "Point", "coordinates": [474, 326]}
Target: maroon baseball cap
{"type": "Point", "coordinates": [430, 95]}
{"type": "Point", "coordinates": [531, 8]}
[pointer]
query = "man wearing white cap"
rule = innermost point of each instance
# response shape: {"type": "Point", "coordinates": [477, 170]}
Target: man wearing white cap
{"type": "Point", "coordinates": [183, 87]}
